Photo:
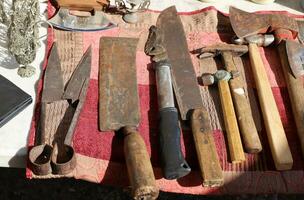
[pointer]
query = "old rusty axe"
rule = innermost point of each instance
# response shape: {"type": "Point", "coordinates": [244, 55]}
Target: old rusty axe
{"type": "Point", "coordinates": [249, 29]}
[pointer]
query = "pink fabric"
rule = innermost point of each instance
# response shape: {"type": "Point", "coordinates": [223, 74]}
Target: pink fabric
{"type": "Point", "coordinates": [100, 154]}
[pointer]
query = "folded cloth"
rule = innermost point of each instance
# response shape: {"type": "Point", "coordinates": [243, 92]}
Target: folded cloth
{"type": "Point", "coordinates": [100, 155]}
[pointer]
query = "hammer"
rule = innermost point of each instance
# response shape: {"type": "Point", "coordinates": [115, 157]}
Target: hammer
{"type": "Point", "coordinates": [250, 137]}
{"type": "Point", "coordinates": [222, 77]}
{"type": "Point", "coordinates": [249, 28]}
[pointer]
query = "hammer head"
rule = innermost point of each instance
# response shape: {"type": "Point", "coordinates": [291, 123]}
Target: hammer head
{"type": "Point", "coordinates": [214, 50]}
{"type": "Point", "coordinates": [246, 24]}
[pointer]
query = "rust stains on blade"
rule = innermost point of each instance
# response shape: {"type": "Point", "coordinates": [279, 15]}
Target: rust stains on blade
{"type": "Point", "coordinates": [295, 55]}
{"type": "Point", "coordinates": [118, 95]}
{"type": "Point", "coordinates": [184, 78]}
{"type": "Point", "coordinates": [245, 24]}
{"type": "Point", "coordinates": [81, 73]}
{"type": "Point", "coordinates": [53, 84]}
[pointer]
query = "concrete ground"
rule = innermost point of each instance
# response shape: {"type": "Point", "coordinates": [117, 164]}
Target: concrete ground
{"type": "Point", "coordinates": [14, 185]}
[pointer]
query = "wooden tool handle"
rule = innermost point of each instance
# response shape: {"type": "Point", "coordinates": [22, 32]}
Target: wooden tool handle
{"type": "Point", "coordinates": [233, 135]}
{"type": "Point", "coordinates": [83, 5]}
{"type": "Point", "coordinates": [211, 170]}
{"type": "Point", "coordinates": [295, 88]}
{"type": "Point", "coordinates": [276, 136]}
{"type": "Point", "coordinates": [139, 166]}
{"type": "Point", "coordinates": [250, 136]}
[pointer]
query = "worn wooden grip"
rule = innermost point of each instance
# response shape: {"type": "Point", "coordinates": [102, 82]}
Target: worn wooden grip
{"type": "Point", "coordinates": [276, 136]}
{"type": "Point", "coordinates": [233, 135]}
{"type": "Point", "coordinates": [248, 130]}
{"type": "Point", "coordinates": [87, 5]}
{"type": "Point", "coordinates": [295, 88]}
{"type": "Point", "coordinates": [141, 176]}
{"type": "Point", "coordinates": [211, 170]}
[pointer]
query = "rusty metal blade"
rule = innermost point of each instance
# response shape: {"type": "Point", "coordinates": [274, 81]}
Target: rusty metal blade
{"type": "Point", "coordinates": [183, 75]}
{"type": "Point", "coordinates": [53, 83]}
{"type": "Point", "coordinates": [295, 55]}
{"type": "Point", "coordinates": [118, 96]}
{"type": "Point", "coordinates": [245, 24]}
{"type": "Point", "coordinates": [81, 73]}
{"type": "Point", "coordinates": [301, 31]}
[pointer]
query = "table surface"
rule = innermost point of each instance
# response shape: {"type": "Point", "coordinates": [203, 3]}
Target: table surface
{"type": "Point", "coordinates": [13, 135]}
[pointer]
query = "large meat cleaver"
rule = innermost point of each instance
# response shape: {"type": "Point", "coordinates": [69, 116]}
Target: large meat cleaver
{"type": "Point", "coordinates": [119, 110]}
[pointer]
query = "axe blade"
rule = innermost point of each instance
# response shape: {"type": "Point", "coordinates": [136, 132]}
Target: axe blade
{"type": "Point", "coordinates": [295, 55]}
{"type": "Point", "coordinates": [66, 21]}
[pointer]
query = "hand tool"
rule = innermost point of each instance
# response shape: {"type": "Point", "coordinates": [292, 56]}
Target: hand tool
{"type": "Point", "coordinates": [247, 28]}
{"type": "Point", "coordinates": [61, 159]}
{"type": "Point", "coordinates": [250, 137]}
{"type": "Point", "coordinates": [188, 95]}
{"type": "Point", "coordinates": [79, 15]}
{"type": "Point", "coordinates": [222, 77]}
{"type": "Point", "coordinates": [173, 162]}
{"type": "Point", "coordinates": [119, 110]}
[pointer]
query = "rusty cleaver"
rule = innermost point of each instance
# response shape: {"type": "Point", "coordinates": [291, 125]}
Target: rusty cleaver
{"type": "Point", "coordinates": [119, 110]}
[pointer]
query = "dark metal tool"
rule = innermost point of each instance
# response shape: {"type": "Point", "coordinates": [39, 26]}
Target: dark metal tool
{"type": "Point", "coordinates": [58, 156]}
{"type": "Point", "coordinates": [227, 52]}
{"type": "Point", "coordinates": [250, 28]}
{"type": "Point", "coordinates": [188, 95]}
{"type": "Point", "coordinates": [173, 162]}
{"type": "Point", "coordinates": [119, 110]}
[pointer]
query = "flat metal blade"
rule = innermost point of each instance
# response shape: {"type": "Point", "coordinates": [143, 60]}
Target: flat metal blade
{"type": "Point", "coordinates": [118, 95]}
{"type": "Point", "coordinates": [66, 21]}
{"type": "Point", "coordinates": [295, 55]}
{"type": "Point", "coordinates": [53, 83]}
{"type": "Point", "coordinates": [81, 73]}
{"type": "Point", "coordinates": [184, 79]}
{"type": "Point", "coordinates": [301, 31]}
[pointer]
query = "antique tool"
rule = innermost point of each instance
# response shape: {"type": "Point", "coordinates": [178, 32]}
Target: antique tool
{"type": "Point", "coordinates": [61, 159]}
{"type": "Point", "coordinates": [173, 162]}
{"type": "Point", "coordinates": [250, 137]}
{"type": "Point", "coordinates": [188, 95]}
{"type": "Point", "coordinates": [79, 15]}
{"type": "Point", "coordinates": [222, 78]}
{"type": "Point", "coordinates": [247, 28]}
{"type": "Point", "coordinates": [119, 110]}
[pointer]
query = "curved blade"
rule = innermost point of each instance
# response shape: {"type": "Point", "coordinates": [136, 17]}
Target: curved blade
{"type": "Point", "coordinates": [53, 83]}
{"type": "Point", "coordinates": [245, 24]}
{"type": "Point", "coordinates": [295, 55]}
{"type": "Point", "coordinates": [184, 79]}
{"type": "Point", "coordinates": [64, 20]}
{"type": "Point", "coordinates": [80, 75]}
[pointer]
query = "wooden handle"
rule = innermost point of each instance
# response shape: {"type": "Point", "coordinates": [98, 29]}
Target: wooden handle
{"type": "Point", "coordinates": [139, 166]}
{"type": "Point", "coordinates": [87, 5]}
{"type": "Point", "coordinates": [211, 170]}
{"type": "Point", "coordinates": [276, 136]}
{"type": "Point", "coordinates": [296, 94]}
{"type": "Point", "coordinates": [250, 136]}
{"type": "Point", "coordinates": [233, 135]}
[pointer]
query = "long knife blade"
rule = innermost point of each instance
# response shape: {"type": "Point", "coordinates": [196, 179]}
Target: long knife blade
{"type": "Point", "coordinates": [183, 75]}
{"type": "Point", "coordinates": [53, 83]}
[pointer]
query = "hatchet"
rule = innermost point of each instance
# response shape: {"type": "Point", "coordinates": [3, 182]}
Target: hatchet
{"type": "Point", "coordinates": [250, 28]}
{"type": "Point", "coordinates": [79, 15]}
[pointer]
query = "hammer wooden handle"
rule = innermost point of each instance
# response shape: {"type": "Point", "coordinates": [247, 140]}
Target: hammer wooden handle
{"type": "Point", "coordinates": [141, 176]}
{"type": "Point", "coordinates": [295, 88]}
{"type": "Point", "coordinates": [87, 5]}
{"type": "Point", "coordinates": [250, 136]}
{"type": "Point", "coordinates": [209, 163]}
{"type": "Point", "coordinates": [276, 136]}
{"type": "Point", "coordinates": [233, 135]}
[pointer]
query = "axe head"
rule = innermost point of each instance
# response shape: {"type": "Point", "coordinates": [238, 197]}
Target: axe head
{"type": "Point", "coordinates": [246, 24]}
{"type": "Point", "coordinates": [295, 55]}
{"type": "Point", "coordinates": [72, 20]}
